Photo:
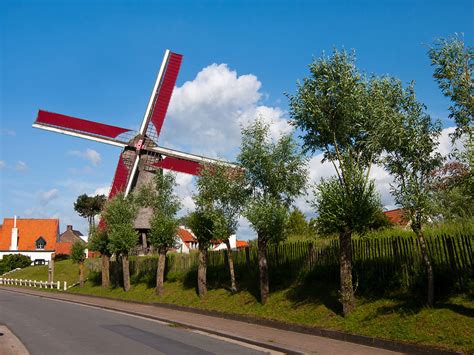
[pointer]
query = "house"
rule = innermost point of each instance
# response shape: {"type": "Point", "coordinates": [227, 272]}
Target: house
{"type": "Point", "coordinates": [35, 237]}
{"type": "Point", "coordinates": [187, 241]}
{"type": "Point", "coordinates": [234, 243]}
{"type": "Point", "coordinates": [397, 217]}
{"type": "Point", "coordinates": [67, 239]}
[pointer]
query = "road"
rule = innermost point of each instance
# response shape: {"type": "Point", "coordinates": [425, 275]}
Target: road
{"type": "Point", "coordinates": [48, 326]}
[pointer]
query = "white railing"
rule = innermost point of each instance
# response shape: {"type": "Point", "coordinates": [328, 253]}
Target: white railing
{"type": "Point", "coordinates": [34, 283]}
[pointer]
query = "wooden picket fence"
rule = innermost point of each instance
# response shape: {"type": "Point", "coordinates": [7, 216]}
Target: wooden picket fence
{"type": "Point", "coordinates": [377, 259]}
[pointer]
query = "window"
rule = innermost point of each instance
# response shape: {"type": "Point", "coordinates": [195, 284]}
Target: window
{"type": "Point", "coordinates": [40, 243]}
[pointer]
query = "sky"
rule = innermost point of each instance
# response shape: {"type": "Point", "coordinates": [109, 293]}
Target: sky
{"type": "Point", "coordinates": [98, 60]}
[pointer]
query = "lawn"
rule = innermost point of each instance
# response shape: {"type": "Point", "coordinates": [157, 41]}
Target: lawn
{"type": "Point", "coordinates": [65, 270]}
{"type": "Point", "coordinates": [448, 325]}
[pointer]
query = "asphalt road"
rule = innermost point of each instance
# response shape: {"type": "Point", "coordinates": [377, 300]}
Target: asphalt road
{"type": "Point", "coordinates": [51, 327]}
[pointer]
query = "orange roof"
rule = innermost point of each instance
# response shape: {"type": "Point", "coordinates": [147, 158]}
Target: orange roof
{"type": "Point", "coordinates": [29, 230]}
{"type": "Point", "coordinates": [63, 248]}
{"type": "Point", "coordinates": [241, 244]}
{"type": "Point", "coordinates": [185, 235]}
{"type": "Point", "coordinates": [396, 216]}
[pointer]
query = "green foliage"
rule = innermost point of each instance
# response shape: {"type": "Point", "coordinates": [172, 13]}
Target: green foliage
{"type": "Point", "coordinates": [410, 140]}
{"type": "Point", "coordinates": [275, 174]}
{"type": "Point", "coordinates": [13, 261]}
{"type": "Point", "coordinates": [119, 215]}
{"type": "Point", "coordinates": [298, 227]}
{"type": "Point", "coordinates": [453, 64]}
{"type": "Point", "coordinates": [88, 207]}
{"type": "Point", "coordinates": [78, 254]}
{"type": "Point", "coordinates": [202, 223]}
{"type": "Point", "coordinates": [165, 203]}
{"type": "Point", "coordinates": [352, 207]}
{"type": "Point", "coordinates": [99, 241]}
{"type": "Point", "coordinates": [339, 112]}
{"type": "Point", "coordinates": [222, 189]}
{"type": "Point", "coordinates": [453, 191]}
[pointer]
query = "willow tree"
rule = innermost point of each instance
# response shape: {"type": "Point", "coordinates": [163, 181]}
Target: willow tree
{"type": "Point", "coordinates": [410, 140]}
{"type": "Point", "coordinates": [119, 214]}
{"type": "Point", "coordinates": [453, 64]}
{"type": "Point", "coordinates": [222, 189]}
{"type": "Point", "coordinates": [275, 174]}
{"type": "Point", "coordinates": [100, 242]}
{"type": "Point", "coordinates": [160, 196]}
{"type": "Point", "coordinates": [338, 111]}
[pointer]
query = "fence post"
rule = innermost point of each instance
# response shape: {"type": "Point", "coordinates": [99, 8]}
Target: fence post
{"type": "Point", "coordinates": [311, 256]}
{"type": "Point", "coordinates": [58, 285]}
{"type": "Point", "coordinates": [65, 285]}
{"type": "Point", "coordinates": [247, 255]}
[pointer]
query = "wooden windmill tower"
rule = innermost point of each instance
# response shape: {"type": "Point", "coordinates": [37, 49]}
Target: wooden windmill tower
{"type": "Point", "coordinates": [141, 155]}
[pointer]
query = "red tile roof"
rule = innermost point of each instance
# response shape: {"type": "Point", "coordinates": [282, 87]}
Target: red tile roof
{"type": "Point", "coordinates": [396, 216]}
{"type": "Point", "coordinates": [29, 230]}
{"type": "Point", "coordinates": [242, 244]}
{"type": "Point", "coordinates": [186, 236]}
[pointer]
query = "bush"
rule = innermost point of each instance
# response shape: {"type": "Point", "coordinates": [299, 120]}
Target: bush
{"type": "Point", "coordinates": [60, 257]}
{"type": "Point", "coordinates": [13, 261]}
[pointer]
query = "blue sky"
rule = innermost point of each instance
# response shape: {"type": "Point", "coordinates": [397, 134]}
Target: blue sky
{"type": "Point", "coordinates": [98, 60]}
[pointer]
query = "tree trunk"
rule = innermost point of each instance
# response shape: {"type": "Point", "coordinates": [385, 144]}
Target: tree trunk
{"type": "Point", "coordinates": [345, 258]}
{"type": "Point", "coordinates": [428, 266]}
{"type": "Point", "coordinates": [160, 272]}
{"type": "Point", "coordinates": [202, 270]}
{"type": "Point", "coordinates": [126, 273]}
{"type": "Point", "coordinates": [105, 271]}
{"type": "Point", "coordinates": [81, 273]}
{"type": "Point", "coordinates": [230, 260]}
{"type": "Point", "coordinates": [263, 269]}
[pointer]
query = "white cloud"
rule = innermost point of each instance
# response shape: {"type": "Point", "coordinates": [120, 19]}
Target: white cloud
{"type": "Point", "coordinates": [2, 164]}
{"type": "Point", "coordinates": [47, 196]}
{"type": "Point", "coordinates": [89, 154]}
{"type": "Point", "coordinates": [21, 166]}
{"type": "Point", "coordinates": [445, 144]}
{"type": "Point", "coordinates": [206, 114]}
{"type": "Point", "coordinates": [102, 190]}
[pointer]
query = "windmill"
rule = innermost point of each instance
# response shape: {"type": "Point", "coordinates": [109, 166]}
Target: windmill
{"type": "Point", "coordinates": [141, 155]}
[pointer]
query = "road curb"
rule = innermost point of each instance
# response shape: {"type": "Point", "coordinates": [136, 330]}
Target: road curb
{"type": "Point", "coordinates": [327, 333]}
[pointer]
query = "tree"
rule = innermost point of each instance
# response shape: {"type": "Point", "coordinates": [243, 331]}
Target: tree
{"type": "Point", "coordinates": [453, 64]}
{"type": "Point", "coordinates": [78, 256]}
{"type": "Point", "coordinates": [89, 207]}
{"type": "Point", "coordinates": [410, 140]}
{"type": "Point", "coordinates": [119, 214]}
{"type": "Point", "coordinates": [99, 241]}
{"type": "Point", "coordinates": [222, 190]}
{"type": "Point", "coordinates": [275, 174]}
{"type": "Point", "coordinates": [298, 227]}
{"type": "Point", "coordinates": [202, 222]}
{"type": "Point", "coordinates": [165, 203]}
{"type": "Point", "coordinates": [338, 110]}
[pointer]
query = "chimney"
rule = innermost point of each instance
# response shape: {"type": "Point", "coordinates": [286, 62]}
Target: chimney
{"type": "Point", "coordinates": [69, 227]}
{"type": "Point", "coordinates": [14, 240]}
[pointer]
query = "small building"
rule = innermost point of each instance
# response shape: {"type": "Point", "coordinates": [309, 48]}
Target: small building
{"type": "Point", "coordinates": [37, 238]}
{"type": "Point", "coordinates": [187, 241]}
{"type": "Point", "coordinates": [397, 217]}
{"type": "Point", "coordinates": [234, 244]}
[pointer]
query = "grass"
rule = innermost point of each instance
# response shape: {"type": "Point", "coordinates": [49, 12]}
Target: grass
{"type": "Point", "coordinates": [64, 270]}
{"type": "Point", "coordinates": [448, 325]}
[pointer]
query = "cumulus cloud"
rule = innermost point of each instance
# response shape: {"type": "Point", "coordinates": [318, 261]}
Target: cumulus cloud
{"type": "Point", "coordinates": [89, 154]}
{"type": "Point", "coordinates": [2, 164]}
{"type": "Point", "coordinates": [21, 166]}
{"type": "Point", "coordinates": [445, 146]}
{"type": "Point", "coordinates": [101, 190]}
{"type": "Point", "coordinates": [206, 114]}
{"type": "Point", "coordinates": [47, 196]}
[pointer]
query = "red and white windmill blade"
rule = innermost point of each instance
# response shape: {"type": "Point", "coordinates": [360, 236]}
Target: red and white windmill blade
{"type": "Point", "coordinates": [140, 149]}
